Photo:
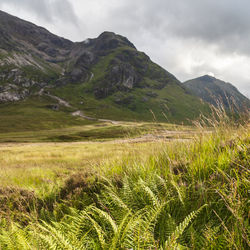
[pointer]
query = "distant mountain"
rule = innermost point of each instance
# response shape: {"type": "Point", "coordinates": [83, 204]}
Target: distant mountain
{"type": "Point", "coordinates": [105, 77]}
{"type": "Point", "coordinates": [215, 91]}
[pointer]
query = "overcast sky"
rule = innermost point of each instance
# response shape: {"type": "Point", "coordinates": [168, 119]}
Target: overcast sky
{"type": "Point", "coordinates": [189, 38]}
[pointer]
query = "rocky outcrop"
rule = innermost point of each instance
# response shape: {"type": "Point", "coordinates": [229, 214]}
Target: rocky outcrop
{"type": "Point", "coordinates": [123, 75]}
{"type": "Point", "coordinates": [16, 85]}
{"type": "Point", "coordinates": [11, 95]}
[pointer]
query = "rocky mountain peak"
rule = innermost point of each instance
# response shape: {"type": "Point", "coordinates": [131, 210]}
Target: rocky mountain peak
{"type": "Point", "coordinates": [207, 78]}
{"type": "Point", "coordinates": [214, 91]}
{"type": "Point", "coordinates": [109, 40]}
{"type": "Point", "coordinates": [20, 35]}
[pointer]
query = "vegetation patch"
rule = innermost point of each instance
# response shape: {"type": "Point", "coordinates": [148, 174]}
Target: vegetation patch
{"type": "Point", "coordinates": [177, 195]}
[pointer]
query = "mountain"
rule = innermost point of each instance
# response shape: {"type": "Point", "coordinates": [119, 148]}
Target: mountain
{"type": "Point", "coordinates": [216, 92]}
{"type": "Point", "coordinates": [45, 78]}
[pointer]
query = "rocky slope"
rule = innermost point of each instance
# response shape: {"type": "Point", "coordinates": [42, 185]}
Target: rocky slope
{"type": "Point", "coordinates": [217, 92]}
{"type": "Point", "coordinates": [105, 77]}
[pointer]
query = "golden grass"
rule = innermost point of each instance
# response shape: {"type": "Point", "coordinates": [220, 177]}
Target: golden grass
{"type": "Point", "coordinates": [39, 165]}
{"type": "Point", "coordinates": [43, 165]}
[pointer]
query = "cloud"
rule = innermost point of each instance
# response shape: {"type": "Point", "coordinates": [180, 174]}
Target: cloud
{"type": "Point", "coordinates": [225, 23]}
{"type": "Point", "coordinates": [56, 15]}
{"type": "Point", "coordinates": [46, 10]}
{"type": "Point", "coordinates": [187, 37]}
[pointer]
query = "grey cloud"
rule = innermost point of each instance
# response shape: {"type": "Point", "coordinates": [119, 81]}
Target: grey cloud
{"type": "Point", "coordinates": [47, 10]}
{"type": "Point", "coordinates": [225, 23]}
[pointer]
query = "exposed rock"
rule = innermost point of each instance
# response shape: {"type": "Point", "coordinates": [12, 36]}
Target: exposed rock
{"type": "Point", "coordinates": [86, 59]}
{"type": "Point", "coordinates": [124, 72]}
{"type": "Point", "coordinates": [78, 74]}
{"type": "Point", "coordinates": [109, 40]}
{"type": "Point", "coordinates": [123, 75]}
{"type": "Point", "coordinates": [12, 96]}
{"type": "Point", "coordinates": [17, 34]}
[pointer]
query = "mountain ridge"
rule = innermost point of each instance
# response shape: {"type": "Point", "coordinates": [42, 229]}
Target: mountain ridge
{"type": "Point", "coordinates": [217, 92]}
{"type": "Point", "coordinates": [104, 77]}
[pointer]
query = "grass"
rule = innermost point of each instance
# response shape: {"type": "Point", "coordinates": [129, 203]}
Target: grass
{"type": "Point", "coordinates": [25, 163]}
{"type": "Point", "coordinates": [190, 194]}
{"type": "Point", "coordinates": [41, 165]}
{"type": "Point", "coordinates": [34, 114]}
{"type": "Point", "coordinates": [31, 121]}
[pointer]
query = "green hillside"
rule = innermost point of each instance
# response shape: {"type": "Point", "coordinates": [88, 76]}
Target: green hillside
{"type": "Point", "coordinates": [45, 78]}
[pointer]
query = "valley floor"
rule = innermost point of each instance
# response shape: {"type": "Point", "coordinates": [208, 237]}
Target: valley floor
{"type": "Point", "coordinates": [157, 187]}
{"type": "Point", "coordinates": [101, 131]}
{"type": "Point", "coordinates": [38, 165]}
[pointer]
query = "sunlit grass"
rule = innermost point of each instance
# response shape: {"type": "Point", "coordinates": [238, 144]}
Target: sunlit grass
{"type": "Point", "coordinates": [37, 165]}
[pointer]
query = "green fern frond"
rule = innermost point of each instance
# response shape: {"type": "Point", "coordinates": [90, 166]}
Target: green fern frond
{"type": "Point", "coordinates": [148, 193]}
{"type": "Point", "coordinates": [171, 243]}
{"type": "Point", "coordinates": [103, 216]}
{"type": "Point", "coordinates": [54, 236]}
{"type": "Point", "coordinates": [100, 232]}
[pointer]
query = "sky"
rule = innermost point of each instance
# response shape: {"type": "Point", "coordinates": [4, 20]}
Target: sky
{"type": "Point", "coordinates": [189, 38]}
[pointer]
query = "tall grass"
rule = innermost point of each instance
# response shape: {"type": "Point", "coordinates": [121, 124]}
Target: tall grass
{"type": "Point", "coordinates": [190, 195]}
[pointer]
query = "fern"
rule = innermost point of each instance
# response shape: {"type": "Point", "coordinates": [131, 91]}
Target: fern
{"type": "Point", "coordinates": [15, 239]}
{"type": "Point", "coordinates": [171, 243]}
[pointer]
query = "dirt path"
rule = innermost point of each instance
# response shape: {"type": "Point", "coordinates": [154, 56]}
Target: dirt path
{"type": "Point", "coordinates": [111, 121]}
{"type": "Point", "coordinates": [164, 136]}
{"type": "Point", "coordinates": [60, 101]}
{"type": "Point", "coordinates": [77, 112]}
{"type": "Point", "coordinates": [161, 137]}
{"type": "Point", "coordinates": [142, 139]}
{"type": "Point", "coordinates": [81, 114]}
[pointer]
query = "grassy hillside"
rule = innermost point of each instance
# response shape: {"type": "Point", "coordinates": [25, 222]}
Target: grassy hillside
{"type": "Point", "coordinates": [105, 77]}
{"type": "Point", "coordinates": [156, 97]}
{"type": "Point", "coordinates": [179, 195]}
{"type": "Point", "coordinates": [164, 107]}
{"type": "Point", "coordinates": [36, 114]}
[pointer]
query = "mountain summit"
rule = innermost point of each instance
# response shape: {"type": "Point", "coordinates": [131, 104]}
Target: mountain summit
{"type": "Point", "coordinates": [215, 91]}
{"type": "Point", "coordinates": [104, 77]}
